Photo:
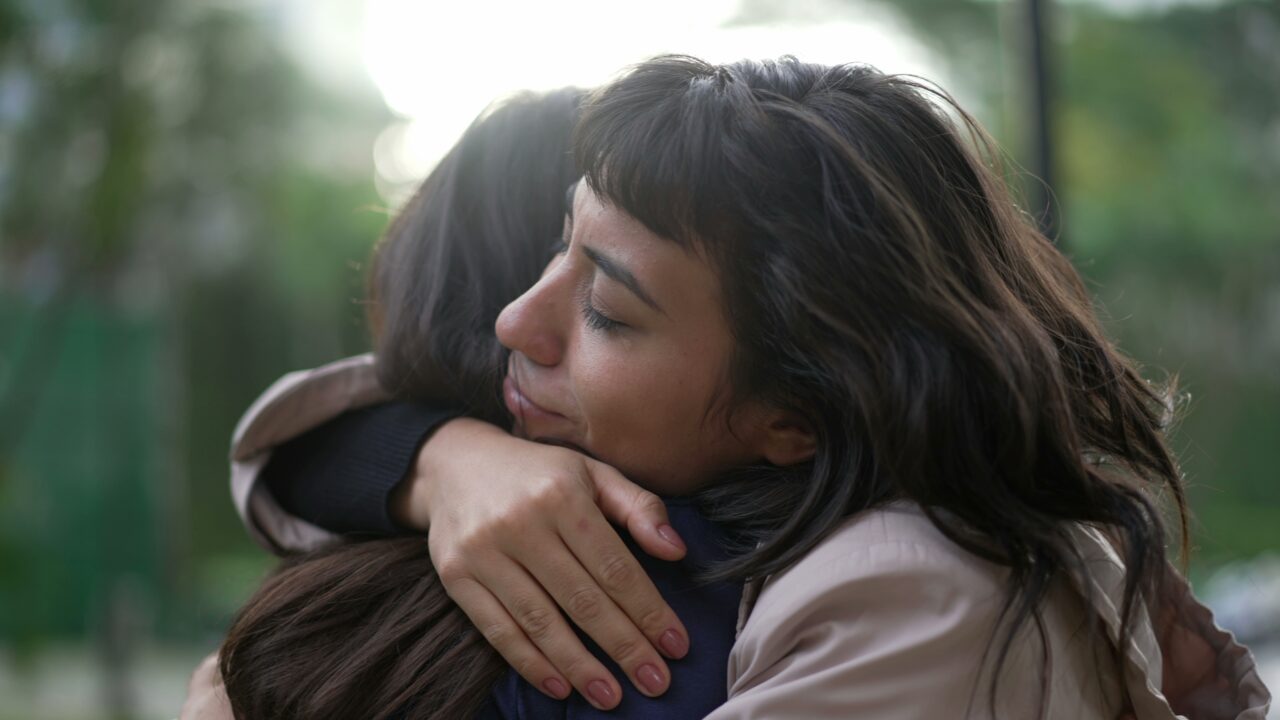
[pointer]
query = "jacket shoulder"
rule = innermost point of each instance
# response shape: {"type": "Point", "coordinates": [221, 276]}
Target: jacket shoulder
{"type": "Point", "coordinates": [884, 606]}
{"type": "Point", "coordinates": [897, 540]}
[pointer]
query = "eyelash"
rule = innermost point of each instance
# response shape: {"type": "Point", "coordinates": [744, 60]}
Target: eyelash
{"type": "Point", "coordinates": [595, 319]}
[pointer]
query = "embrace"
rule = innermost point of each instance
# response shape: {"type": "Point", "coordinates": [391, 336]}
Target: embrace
{"type": "Point", "coordinates": [730, 391]}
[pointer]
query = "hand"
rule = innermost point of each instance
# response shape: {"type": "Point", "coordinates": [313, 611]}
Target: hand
{"type": "Point", "coordinates": [206, 696]}
{"type": "Point", "coordinates": [517, 528]}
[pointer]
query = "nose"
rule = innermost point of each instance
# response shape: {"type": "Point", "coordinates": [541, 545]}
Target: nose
{"type": "Point", "coordinates": [534, 323]}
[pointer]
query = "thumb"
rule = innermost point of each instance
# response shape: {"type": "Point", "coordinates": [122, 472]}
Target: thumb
{"type": "Point", "coordinates": [641, 512]}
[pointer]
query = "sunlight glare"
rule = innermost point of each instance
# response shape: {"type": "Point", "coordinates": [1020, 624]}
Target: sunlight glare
{"type": "Point", "coordinates": [440, 64]}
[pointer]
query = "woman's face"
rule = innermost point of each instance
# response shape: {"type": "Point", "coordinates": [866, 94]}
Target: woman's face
{"type": "Point", "coordinates": [622, 349]}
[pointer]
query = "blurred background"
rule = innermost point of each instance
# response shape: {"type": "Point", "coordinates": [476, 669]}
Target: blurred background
{"type": "Point", "coordinates": [188, 190]}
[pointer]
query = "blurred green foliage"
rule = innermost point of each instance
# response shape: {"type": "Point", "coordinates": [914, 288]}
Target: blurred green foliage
{"type": "Point", "coordinates": [1166, 129]}
{"type": "Point", "coordinates": [182, 219]}
{"type": "Point", "coordinates": [1170, 147]}
{"type": "Point", "coordinates": [183, 213]}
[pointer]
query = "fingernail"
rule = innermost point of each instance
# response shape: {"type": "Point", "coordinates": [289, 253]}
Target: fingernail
{"type": "Point", "coordinates": [650, 679]}
{"type": "Point", "coordinates": [668, 533]}
{"type": "Point", "coordinates": [601, 695]}
{"type": "Point", "coordinates": [673, 644]}
{"type": "Point", "coordinates": [555, 688]}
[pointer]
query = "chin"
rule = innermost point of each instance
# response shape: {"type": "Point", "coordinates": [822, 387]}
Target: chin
{"type": "Point", "coordinates": [659, 481]}
{"type": "Point", "coordinates": [546, 440]}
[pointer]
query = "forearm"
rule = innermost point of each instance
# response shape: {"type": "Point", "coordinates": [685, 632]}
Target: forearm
{"type": "Point", "coordinates": [342, 474]}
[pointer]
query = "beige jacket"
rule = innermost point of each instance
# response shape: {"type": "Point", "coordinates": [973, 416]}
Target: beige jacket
{"type": "Point", "coordinates": [886, 618]}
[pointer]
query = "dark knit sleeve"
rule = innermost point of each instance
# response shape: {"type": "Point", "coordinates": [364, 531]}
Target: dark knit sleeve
{"type": "Point", "coordinates": [340, 475]}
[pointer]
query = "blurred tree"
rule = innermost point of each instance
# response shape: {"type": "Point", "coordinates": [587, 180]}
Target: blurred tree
{"type": "Point", "coordinates": [1169, 147]}
{"type": "Point", "coordinates": [169, 243]}
{"type": "Point", "coordinates": [1173, 179]}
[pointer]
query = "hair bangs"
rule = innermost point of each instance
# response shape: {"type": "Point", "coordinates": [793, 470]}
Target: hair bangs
{"type": "Point", "coordinates": [652, 144]}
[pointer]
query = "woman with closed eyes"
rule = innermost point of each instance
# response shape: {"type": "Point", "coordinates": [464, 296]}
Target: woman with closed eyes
{"type": "Point", "coordinates": [795, 296]}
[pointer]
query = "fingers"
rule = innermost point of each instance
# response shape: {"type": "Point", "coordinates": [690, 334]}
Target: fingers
{"type": "Point", "coordinates": [616, 572]}
{"type": "Point", "coordinates": [523, 623]}
{"type": "Point", "coordinates": [205, 675]}
{"type": "Point", "coordinates": [206, 697]}
{"type": "Point", "coordinates": [508, 557]}
{"type": "Point", "coordinates": [501, 631]}
{"type": "Point", "coordinates": [641, 512]}
{"type": "Point", "coordinates": [599, 615]}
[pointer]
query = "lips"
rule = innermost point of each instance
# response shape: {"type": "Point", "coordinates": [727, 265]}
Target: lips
{"type": "Point", "coordinates": [524, 409]}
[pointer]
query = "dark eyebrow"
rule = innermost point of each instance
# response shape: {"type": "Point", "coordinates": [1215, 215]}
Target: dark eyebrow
{"type": "Point", "coordinates": [607, 265]}
{"type": "Point", "coordinates": [613, 269]}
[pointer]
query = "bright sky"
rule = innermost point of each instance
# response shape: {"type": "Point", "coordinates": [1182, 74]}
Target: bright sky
{"type": "Point", "coordinates": [438, 64]}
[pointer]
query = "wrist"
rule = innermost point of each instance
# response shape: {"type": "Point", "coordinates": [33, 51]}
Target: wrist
{"type": "Point", "coordinates": [412, 500]}
{"type": "Point", "coordinates": [407, 506]}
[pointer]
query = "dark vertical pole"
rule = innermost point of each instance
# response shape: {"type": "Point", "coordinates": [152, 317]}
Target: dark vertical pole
{"type": "Point", "coordinates": [1041, 91]}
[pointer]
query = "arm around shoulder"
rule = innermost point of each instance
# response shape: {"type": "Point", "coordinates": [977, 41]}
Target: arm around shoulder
{"type": "Point", "coordinates": [295, 404]}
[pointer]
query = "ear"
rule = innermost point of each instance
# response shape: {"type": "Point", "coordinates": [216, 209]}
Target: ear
{"type": "Point", "coordinates": [786, 438]}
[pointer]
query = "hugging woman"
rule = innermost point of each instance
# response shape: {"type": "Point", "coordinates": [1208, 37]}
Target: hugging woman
{"type": "Point", "coordinates": [797, 298]}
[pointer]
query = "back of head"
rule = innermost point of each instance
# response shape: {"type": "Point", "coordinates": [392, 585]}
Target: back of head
{"type": "Point", "coordinates": [881, 282]}
{"type": "Point", "coordinates": [359, 630]}
{"type": "Point", "coordinates": [474, 237]}
{"type": "Point", "coordinates": [366, 629]}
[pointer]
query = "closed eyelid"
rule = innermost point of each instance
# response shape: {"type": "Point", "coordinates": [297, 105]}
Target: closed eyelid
{"type": "Point", "coordinates": [607, 265]}
{"type": "Point", "coordinates": [621, 275]}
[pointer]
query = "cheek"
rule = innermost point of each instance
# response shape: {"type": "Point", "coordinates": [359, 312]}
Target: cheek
{"type": "Point", "coordinates": [631, 380]}
{"type": "Point", "coordinates": [645, 410]}
{"type": "Point", "coordinates": [622, 389]}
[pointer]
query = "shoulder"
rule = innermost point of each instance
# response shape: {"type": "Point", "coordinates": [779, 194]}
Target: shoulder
{"type": "Point", "coordinates": [890, 618]}
{"type": "Point", "coordinates": [305, 399]}
{"type": "Point", "coordinates": [294, 404]}
{"type": "Point", "coordinates": [885, 604]}
{"type": "Point", "coordinates": [883, 578]}
{"type": "Point", "coordinates": [894, 546]}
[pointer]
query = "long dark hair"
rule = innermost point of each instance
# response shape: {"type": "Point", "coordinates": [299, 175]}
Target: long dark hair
{"type": "Point", "coordinates": [881, 282]}
{"type": "Point", "coordinates": [356, 630]}
{"type": "Point", "coordinates": [365, 629]}
{"type": "Point", "coordinates": [475, 236]}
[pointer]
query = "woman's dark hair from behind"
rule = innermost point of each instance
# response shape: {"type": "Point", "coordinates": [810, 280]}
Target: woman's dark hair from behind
{"type": "Point", "coordinates": [365, 629]}
{"type": "Point", "coordinates": [881, 282]}
{"type": "Point", "coordinates": [477, 234]}
{"type": "Point", "coordinates": [357, 630]}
